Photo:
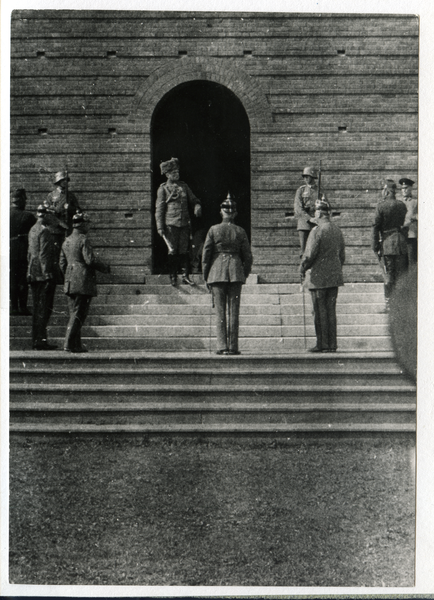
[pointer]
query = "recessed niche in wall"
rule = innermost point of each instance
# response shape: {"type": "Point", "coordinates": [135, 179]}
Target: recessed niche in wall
{"type": "Point", "coordinates": [111, 53]}
{"type": "Point", "coordinates": [182, 52]}
{"type": "Point", "coordinates": [342, 129]}
{"type": "Point", "coordinates": [40, 53]}
{"type": "Point", "coordinates": [112, 131]}
{"type": "Point", "coordinates": [248, 53]}
{"type": "Point", "coordinates": [341, 51]}
{"type": "Point", "coordinates": [43, 131]}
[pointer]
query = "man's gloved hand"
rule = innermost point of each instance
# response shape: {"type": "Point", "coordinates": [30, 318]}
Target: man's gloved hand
{"type": "Point", "coordinates": [161, 232]}
{"type": "Point", "coordinates": [198, 211]}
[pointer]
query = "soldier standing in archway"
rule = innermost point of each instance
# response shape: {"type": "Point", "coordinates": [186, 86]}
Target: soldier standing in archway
{"type": "Point", "coordinates": [173, 219]}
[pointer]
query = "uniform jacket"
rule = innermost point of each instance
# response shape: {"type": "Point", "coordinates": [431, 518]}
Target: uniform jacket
{"type": "Point", "coordinates": [386, 234]}
{"type": "Point", "coordinates": [411, 217]}
{"type": "Point", "coordinates": [226, 254]}
{"type": "Point", "coordinates": [57, 200]}
{"type": "Point", "coordinates": [79, 265]}
{"type": "Point", "coordinates": [42, 255]}
{"type": "Point", "coordinates": [21, 221]}
{"type": "Point", "coordinates": [172, 205]}
{"type": "Point", "coordinates": [304, 205]}
{"type": "Point", "coordinates": [324, 255]}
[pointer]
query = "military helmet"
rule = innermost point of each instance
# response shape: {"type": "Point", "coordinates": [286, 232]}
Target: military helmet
{"type": "Point", "coordinates": [169, 165]}
{"type": "Point", "coordinates": [19, 196]}
{"type": "Point", "coordinates": [322, 205]}
{"type": "Point", "coordinates": [309, 171]}
{"type": "Point", "coordinates": [79, 218]}
{"type": "Point", "coordinates": [405, 182]}
{"type": "Point", "coordinates": [60, 175]}
{"type": "Point", "coordinates": [229, 206]}
{"type": "Point", "coordinates": [44, 210]}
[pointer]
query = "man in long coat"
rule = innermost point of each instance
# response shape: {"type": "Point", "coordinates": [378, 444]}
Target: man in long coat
{"type": "Point", "coordinates": [78, 265]}
{"type": "Point", "coordinates": [21, 221]}
{"type": "Point", "coordinates": [324, 256]}
{"type": "Point", "coordinates": [43, 274]}
{"type": "Point", "coordinates": [388, 240]}
{"type": "Point", "coordinates": [173, 220]}
{"type": "Point", "coordinates": [226, 264]}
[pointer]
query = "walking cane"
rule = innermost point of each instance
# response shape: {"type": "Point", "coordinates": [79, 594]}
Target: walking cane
{"type": "Point", "coordinates": [209, 288]}
{"type": "Point", "coordinates": [304, 311]}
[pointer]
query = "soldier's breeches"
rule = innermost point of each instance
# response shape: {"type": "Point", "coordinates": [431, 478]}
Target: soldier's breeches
{"type": "Point", "coordinates": [43, 300]}
{"type": "Point", "coordinates": [179, 238]}
{"type": "Point", "coordinates": [324, 305]}
{"type": "Point", "coordinates": [303, 235]}
{"type": "Point", "coordinates": [395, 266]}
{"type": "Point", "coordinates": [227, 297]}
{"type": "Point", "coordinates": [78, 306]}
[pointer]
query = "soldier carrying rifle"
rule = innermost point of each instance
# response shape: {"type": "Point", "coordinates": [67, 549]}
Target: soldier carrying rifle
{"type": "Point", "coordinates": [304, 204]}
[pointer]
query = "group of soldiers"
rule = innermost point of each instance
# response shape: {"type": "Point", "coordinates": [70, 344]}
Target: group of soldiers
{"type": "Point", "coordinates": [48, 250]}
{"type": "Point", "coordinates": [54, 249]}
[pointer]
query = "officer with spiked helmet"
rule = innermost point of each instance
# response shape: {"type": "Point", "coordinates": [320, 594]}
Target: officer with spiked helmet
{"type": "Point", "coordinates": [388, 239]}
{"type": "Point", "coordinates": [79, 267]}
{"type": "Point", "coordinates": [43, 274]}
{"type": "Point", "coordinates": [324, 255]}
{"type": "Point", "coordinates": [304, 204]}
{"type": "Point", "coordinates": [226, 264]}
{"type": "Point", "coordinates": [65, 205]}
{"type": "Point", "coordinates": [173, 220]}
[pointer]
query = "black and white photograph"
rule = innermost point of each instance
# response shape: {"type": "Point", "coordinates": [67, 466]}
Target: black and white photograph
{"type": "Point", "coordinates": [213, 379]}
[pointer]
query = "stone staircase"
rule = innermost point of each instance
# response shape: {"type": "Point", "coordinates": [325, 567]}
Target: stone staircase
{"type": "Point", "coordinates": [138, 392]}
{"type": "Point", "coordinates": [152, 368]}
{"type": "Point", "coordinates": [158, 317]}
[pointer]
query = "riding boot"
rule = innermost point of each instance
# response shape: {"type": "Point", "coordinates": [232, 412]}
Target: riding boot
{"type": "Point", "coordinates": [185, 261]}
{"type": "Point", "coordinates": [173, 268]}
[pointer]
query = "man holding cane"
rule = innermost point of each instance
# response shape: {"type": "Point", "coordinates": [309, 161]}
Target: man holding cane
{"type": "Point", "coordinates": [324, 256]}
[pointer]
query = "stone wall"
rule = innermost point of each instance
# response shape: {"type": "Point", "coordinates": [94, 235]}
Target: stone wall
{"type": "Point", "coordinates": [342, 89]}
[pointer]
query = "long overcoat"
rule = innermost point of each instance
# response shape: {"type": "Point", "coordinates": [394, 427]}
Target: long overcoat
{"type": "Point", "coordinates": [42, 255]}
{"type": "Point", "coordinates": [304, 205]}
{"type": "Point", "coordinates": [79, 265]}
{"type": "Point", "coordinates": [226, 254]}
{"type": "Point", "coordinates": [386, 231]}
{"type": "Point", "coordinates": [324, 255]}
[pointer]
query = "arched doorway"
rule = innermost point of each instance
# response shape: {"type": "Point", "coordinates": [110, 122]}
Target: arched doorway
{"type": "Point", "coordinates": [206, 127]}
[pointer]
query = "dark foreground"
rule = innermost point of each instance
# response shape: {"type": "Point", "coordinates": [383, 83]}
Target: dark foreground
{"type": "Point", "coordinates": [134, 512]}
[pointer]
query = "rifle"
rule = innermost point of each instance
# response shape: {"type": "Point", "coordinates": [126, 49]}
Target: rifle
{"type": "Point", "coordinates": [319, 181]}
{"type": "Point", "coordinates": [66, 187]}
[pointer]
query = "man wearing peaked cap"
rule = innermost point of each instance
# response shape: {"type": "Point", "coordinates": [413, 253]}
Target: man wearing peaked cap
{"type": "Point", "coordinates": [226, 263]}
{"type": "Point", "coordinates": [324, 256]}
{"type": "Point", "coordinates": [410, 223]}
{"type": "Point", "coordinates": [79, 266]}
{"type": "Point", "coordinates": [65, 205]}
{"type": "Point", "coordinates": [43, 274]}
{"type": "Point", "coordinates": [21, 221]}
{"type": "Point", "coordinates": [173, 220]}
{"type": "Point", "coordinates": [388, 240]}
{"type": "Point", "coordinates": [304, 205]}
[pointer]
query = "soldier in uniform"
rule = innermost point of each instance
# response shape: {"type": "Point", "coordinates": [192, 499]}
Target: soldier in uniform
{"type": "Point", "coordinates": [388, 241]}
{"type": "Point", "coordinates": [324, 255]}
{"type": "Point", "coordinates": [65, 205]}
{"type": "Point", "coordinates": [43, 274]}
{"type": "Point", "coordinates": [410, 223]}
{"type": "Point", "coordinates": [21, 221]}
{"type": "Point", "coordinates": [173, 219]}
{"type": "Point", "coordinates": [226, 263]}
{"type": "Point", "coordinates": [78, 265]}
{"type": "Point", "coordinates": [304, 205]}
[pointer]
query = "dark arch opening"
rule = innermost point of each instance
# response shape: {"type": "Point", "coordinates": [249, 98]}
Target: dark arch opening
{"type": "Point", "coordinates": [206, 127]}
